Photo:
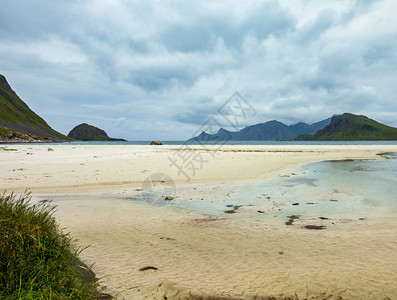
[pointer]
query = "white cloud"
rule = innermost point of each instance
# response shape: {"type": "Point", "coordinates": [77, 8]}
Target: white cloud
{"type": "Point", "coordinates": [157, 69]}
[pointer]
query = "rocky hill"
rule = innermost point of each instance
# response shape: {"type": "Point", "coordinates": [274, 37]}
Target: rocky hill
{"type": "Point", "coordinates": [85, 132]}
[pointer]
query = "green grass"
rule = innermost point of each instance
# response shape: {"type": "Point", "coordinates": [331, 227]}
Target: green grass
{"type": "Point", "coordinates": [38, 260]}
{"type": "Point", "coordinates": [7, 149]}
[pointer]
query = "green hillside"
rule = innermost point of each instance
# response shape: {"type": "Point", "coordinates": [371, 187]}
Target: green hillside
{"type": "Point", "coordinates": [349, 127]}
{"type": "Point", "coordinates": [17, 116]}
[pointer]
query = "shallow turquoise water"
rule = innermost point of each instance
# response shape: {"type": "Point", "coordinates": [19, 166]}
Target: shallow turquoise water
{"type": "Point", "coordinates": [328, 188]}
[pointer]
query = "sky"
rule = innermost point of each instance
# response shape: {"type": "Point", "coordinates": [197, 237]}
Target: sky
{"type": "Point", "coordinates": [159, 70]}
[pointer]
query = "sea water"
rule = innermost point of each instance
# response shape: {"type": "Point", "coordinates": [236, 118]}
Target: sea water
{"type": "Point", "coordinates": [327, 188]}
{"type": "Point", "coordinates": [180, 143]}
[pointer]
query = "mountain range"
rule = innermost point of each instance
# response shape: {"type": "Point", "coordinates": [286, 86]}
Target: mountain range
{"type": "Point", "coordinates": [345, 127]}
{"type": "Point", "coordinates": [18, 123]}
{"type": "Point", "coordinates": [269, 131]}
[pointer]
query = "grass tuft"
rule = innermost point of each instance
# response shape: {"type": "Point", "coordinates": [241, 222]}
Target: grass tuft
{"type": "Point", "coordinates": [38, 260]}
{"type": "Point", "coordinates": [7, 149]}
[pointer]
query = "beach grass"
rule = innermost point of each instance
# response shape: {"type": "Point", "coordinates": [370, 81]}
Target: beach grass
{"type": "Point", "coordinates": [38, 260]}
{"type": "Point", "coordinates": [7, 149]}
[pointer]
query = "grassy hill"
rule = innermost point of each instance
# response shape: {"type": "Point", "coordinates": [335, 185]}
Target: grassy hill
{"type": "Point", "coordinates": [350, 127]}
{"type": "Point", "coordinates": [17, 116]}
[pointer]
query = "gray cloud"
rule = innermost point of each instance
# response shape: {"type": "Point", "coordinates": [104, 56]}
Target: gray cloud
{"type": "Point", "coordinates": [145, 70]}
{"type": "Point", "coordinates": [312, 30]}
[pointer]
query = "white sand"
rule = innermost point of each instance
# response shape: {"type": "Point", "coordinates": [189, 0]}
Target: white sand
{"type": "Point", "coordinates": [74, 169]}
{"type": "Point", "coordinates": [241, 256]}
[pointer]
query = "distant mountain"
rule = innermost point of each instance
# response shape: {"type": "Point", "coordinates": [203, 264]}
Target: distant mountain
{"type": "Point", "coordinates": [303, 128]}
{"type": "Point", "coordinates": [19, 123]}
{"type": "Point", "coordinates": [85, 132]}
{"type": "Point", "coordinates": [269, 131]}
{"type": "Point", "coordinates": [349, 127]}
{"type": "Point", "coordinates": [272, 130]}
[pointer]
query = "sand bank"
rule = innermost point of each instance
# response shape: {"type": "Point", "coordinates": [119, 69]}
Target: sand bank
{"type": "Point", "coordinates": [81, 168]}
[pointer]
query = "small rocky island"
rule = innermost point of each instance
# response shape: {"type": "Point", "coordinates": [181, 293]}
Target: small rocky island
{"type": "Point", "coordinates": [86, 132]}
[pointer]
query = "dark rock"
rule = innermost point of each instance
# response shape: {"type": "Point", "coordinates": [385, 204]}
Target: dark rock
{"type": "Point", "coordinates": [295, 203]}
{"type": "Point", "coordinates": [230, 211]}
{"type": "Point", "coordinates": [323, 218]}
{"type": "Point", "coordinates": [293, 217]}
{"type": "Point", "coordinates": [315, 227]}
{"type": "Point", "coordinates": [289, 222]}
{"type": "Point", "coordinates": [155, 143]}
{"type": "Point", "coordinates": [148, 268]}
{"type": "Point", "coordinates": [167, 238]}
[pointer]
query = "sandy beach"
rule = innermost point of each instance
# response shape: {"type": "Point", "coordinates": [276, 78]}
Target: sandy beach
{"type": "Point", "coordinates": [93, 168]}
{"type": "Point", "coordinates": [193, 255]}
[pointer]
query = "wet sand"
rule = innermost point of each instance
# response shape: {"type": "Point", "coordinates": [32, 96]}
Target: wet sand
{"type": "Point", "coordinates": [246, 255]}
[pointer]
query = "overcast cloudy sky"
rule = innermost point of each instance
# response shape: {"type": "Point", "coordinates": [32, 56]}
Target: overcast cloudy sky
{"type": "Point", "coordinates": [145, 70]}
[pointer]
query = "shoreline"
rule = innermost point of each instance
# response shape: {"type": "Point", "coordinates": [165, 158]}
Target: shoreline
{"type": "Point", "coordinates": [66, 168]}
